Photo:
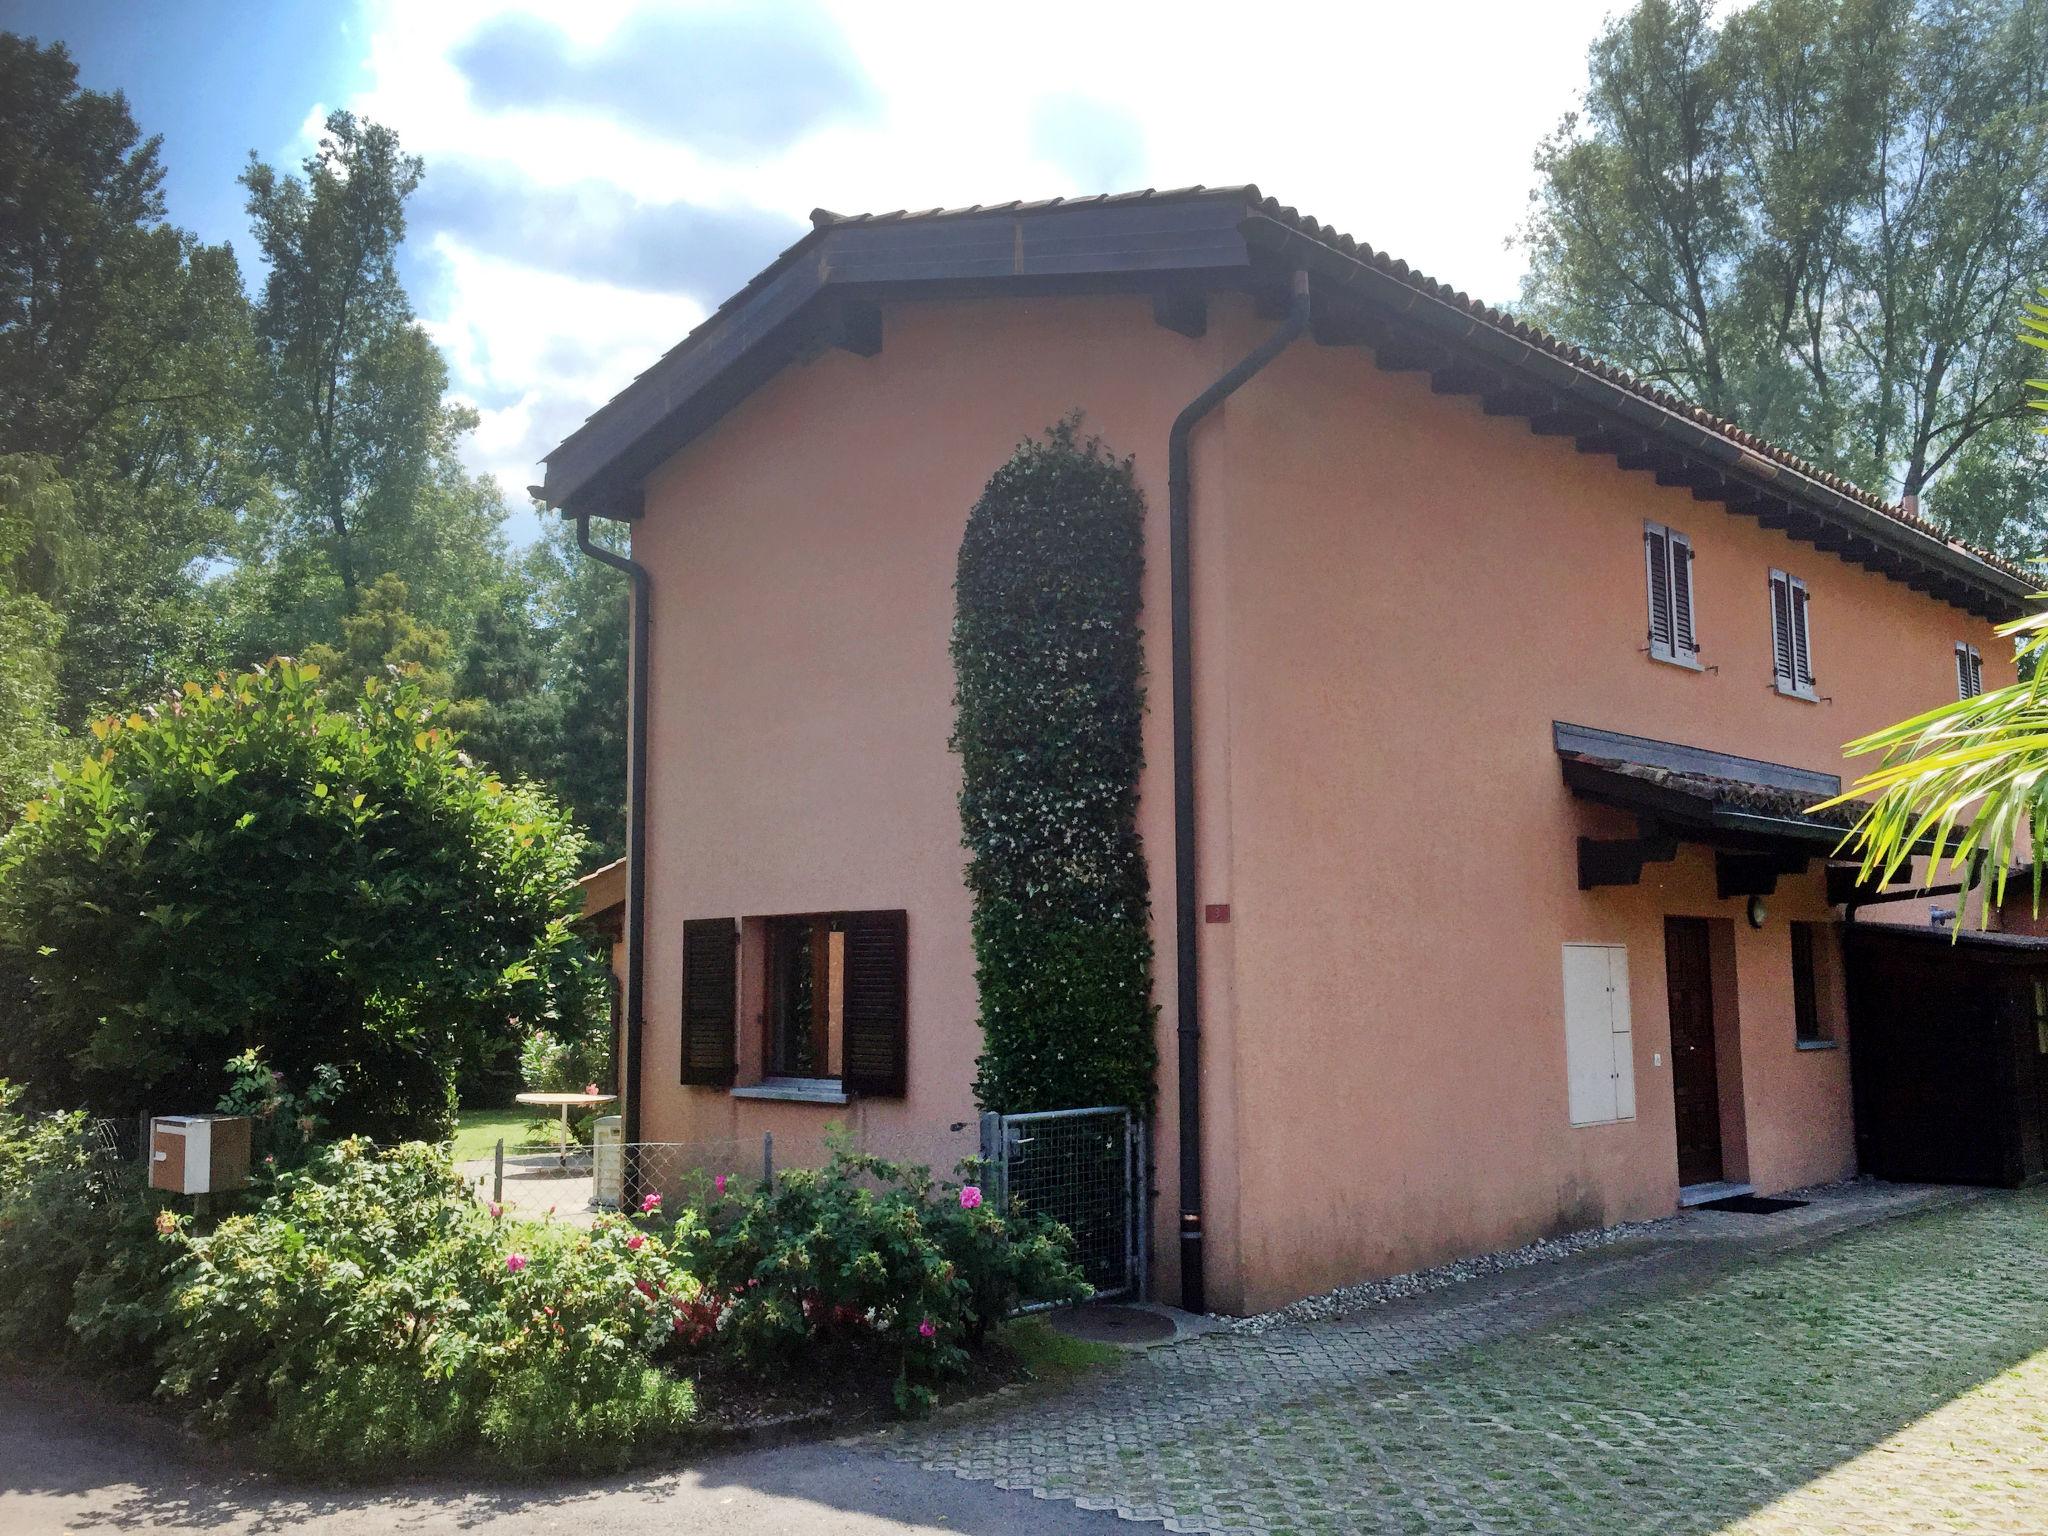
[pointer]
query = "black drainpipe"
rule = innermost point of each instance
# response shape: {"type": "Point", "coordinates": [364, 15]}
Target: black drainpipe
{"type": "Point", "coordinates": [1178, 489]}
{"type": "Point", "coordinates": [636, 835]}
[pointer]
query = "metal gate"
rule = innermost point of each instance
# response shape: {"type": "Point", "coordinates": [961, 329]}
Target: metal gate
{"type": "Point", "coordinates": [1083, 1167]}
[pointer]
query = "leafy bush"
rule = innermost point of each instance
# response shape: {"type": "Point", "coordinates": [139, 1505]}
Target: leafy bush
{"type": "Point", "coordinates": [552, 1063]}
{"type": "Point", "coordinates": [1049, 666]}
{"type": "Point", "coordinates": [368, 1312]}
{"type": "Point", "coordinates": [286, 1126]}
{"type": "Point", "coordinates": [71, 1223]}
{"type": "Point", "coordinates": [866, 1257]}
{"type": "Point", "coordinates": [249, 866]}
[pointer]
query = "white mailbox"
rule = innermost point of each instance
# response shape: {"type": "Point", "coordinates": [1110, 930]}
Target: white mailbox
{"type": "Point", "coordinates": [198, 1154]}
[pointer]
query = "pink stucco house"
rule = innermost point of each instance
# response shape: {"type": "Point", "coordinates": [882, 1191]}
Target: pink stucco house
{"type": "Point", "coordinates": [1489, 686]}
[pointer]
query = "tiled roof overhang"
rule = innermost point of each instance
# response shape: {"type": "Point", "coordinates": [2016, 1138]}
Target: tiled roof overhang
{"type": "Point", "coordinates": [1180, 245]}
{"type": "Point", "coordinates": [1699, 794]}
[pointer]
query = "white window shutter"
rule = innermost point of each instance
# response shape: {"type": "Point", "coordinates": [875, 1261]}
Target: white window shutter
{"type": "Point", "coordinates": [1684, 635]}
{"type": "Point", "coordinates": [1781, 630]}
{"type": "Point", "coordinates": [1657, 573]}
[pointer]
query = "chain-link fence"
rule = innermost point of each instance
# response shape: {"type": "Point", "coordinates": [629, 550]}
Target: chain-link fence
{"type": "Point", "coordinates": [684, 1169]}
{"type": "Point", "coordinates": [1086, 1168]}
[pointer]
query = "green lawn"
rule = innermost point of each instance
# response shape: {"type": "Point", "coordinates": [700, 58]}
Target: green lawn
{"type": "Point", "coordinates": [477, 1132]}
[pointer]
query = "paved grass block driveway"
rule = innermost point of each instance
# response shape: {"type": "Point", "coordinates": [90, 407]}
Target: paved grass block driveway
{"type": "Point", "coordinates": [1891, 1379]}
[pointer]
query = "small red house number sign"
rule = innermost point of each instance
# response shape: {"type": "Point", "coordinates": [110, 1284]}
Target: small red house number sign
{"type": "Point", "coordinates": [1217, 912]}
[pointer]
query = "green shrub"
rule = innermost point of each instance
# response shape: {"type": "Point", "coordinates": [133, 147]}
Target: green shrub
{"type": "Point", "coordinates": [866, 1258]}
{"type": "Point", "coordinates": [68, 1218]}
{"type": "Point", "coordinates": [552, 1063]}
{"type": "Point", "coordinates": [248, 865]}
{"type": "Point", "coordinates": [286, 1126]}
{"type": "Point", "coordinates": [368, 1313]}
{"type": "Point", "coordinates": [1049, 668]}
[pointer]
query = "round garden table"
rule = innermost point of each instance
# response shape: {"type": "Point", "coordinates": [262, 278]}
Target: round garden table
{"type": "Point", "coordinates": [566, 1101]}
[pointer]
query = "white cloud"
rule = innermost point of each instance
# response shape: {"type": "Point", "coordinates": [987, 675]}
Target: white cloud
{"type": "Point", "coordinates": [1409, 127]}
{"type": "Point", "coordinates": [536, 352]}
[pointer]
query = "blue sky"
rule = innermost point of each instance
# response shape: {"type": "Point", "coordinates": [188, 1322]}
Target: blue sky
{"type": "Point", "coordinates": [600, 173]}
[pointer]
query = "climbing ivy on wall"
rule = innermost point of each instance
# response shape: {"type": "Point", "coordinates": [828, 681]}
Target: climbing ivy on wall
{"type": "Point", "coordinates": [1049, 672]}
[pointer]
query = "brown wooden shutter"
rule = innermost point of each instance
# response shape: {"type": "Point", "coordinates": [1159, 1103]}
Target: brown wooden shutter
{"type": "Point", "coordinates": [710, 1000]}
{"type": "Point", "coordinates": [874, 1010]}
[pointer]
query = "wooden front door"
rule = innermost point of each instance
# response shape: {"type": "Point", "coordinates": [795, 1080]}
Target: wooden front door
{"type": "Point", "coordinates": [1695, 1080]}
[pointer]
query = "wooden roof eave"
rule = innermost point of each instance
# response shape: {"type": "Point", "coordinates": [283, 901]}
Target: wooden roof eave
{"type": "Point", "coordinates": [1547, 380]}
{"type": "Point", "coordinates": [788, 312]}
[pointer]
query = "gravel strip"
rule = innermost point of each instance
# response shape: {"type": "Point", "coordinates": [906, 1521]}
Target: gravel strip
{"type": "Point", "coordinates": [1373, 1293]}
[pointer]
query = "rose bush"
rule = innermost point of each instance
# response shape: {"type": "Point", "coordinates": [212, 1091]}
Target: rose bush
{"type": "Point", "coordinates": [368, 1311]}
{"type": "Point", "coordinates": [865, 1257]}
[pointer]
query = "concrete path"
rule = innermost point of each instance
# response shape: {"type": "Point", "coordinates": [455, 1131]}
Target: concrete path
{"type": "Point", "coordinates": [67, 1467]}
{"type": "Point", "coordinates": [1827, 1369]}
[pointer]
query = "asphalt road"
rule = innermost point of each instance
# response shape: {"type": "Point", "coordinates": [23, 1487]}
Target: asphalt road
{"type": "Point", "coordinates": [68, 1464]}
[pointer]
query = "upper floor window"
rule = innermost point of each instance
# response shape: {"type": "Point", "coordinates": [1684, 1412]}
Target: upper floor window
{"type": "Point", "coordinates": [1791, 637]}
{"type": "Point", "coordinates": [1969, 672]}
{"type": "Point", "coordinates": [1667, 565]}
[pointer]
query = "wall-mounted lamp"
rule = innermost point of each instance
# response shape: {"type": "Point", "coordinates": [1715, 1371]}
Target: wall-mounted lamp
{"type": "Point", "coordinates": [1757, 911]}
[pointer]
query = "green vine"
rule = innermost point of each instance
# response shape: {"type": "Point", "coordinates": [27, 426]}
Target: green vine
{"type": "Point", "coordinates": [1049, 669]}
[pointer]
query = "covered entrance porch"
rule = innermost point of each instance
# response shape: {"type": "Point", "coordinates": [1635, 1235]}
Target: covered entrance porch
{"type": "Point", "coordinates": [1716, 865]}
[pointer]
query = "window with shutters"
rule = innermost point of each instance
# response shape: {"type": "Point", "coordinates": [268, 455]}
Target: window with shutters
{"type": "Point", "coordinates": [1969, 672]}
{"type": "Point", "coordinates": [1791, 637]}
{"type": "Point", "coordinates": [829, 991]}
{"type": "Point", "coordinates": [1599, 1041]}
{"type": "Point", "coordinates": [1667, 570]}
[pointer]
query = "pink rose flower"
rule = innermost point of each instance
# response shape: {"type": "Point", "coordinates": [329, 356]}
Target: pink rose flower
{"type": "Point", "coordinates": [927, 1328]}
{"type": "Point", "coordinates": [494, 1208]}
{"type": "Point", "coordinates": [651, 1203]}
{"type": "Point", "coordinates": [970, 1196]}
{"type": "Point", "coordinates": [514, 1262]}
{"type": "Point", "coordinates": [590, 1089]}
{"type": "Point", "coordinates": [719, 1183]}
{"type": "Point", "coordinates": [636, 1242]}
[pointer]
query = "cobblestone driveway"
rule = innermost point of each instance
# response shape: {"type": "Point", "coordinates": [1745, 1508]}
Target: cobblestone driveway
{"type": "Point", "coordinates": [1891, 1379]}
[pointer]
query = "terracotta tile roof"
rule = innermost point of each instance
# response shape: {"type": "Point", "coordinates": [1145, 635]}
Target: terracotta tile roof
{"type": "Point", "coordinates": [1258, 205]}
{"type": "Point", "coordinates": [1735, 794]}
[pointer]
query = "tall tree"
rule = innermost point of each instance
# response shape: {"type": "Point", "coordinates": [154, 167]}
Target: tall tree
{"type": "Point", "coordinates": [356, 427]}
{"type": "Point", "coordinates": [1813, 216]}
{"type": "Point", "coordinates": [584, 608]}
{"type": "Point", "coordinates": [123, 345]}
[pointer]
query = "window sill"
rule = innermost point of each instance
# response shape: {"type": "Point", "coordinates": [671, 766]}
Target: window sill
{"type": "Point", "coordinates": [796, 1090]}
{"type": "Point", "coordinates": [1804, 695]}
{"type": "Point", "coordinates": [1818, 1045]}
{"type": "Point", "coordinates": [1690, 663]}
